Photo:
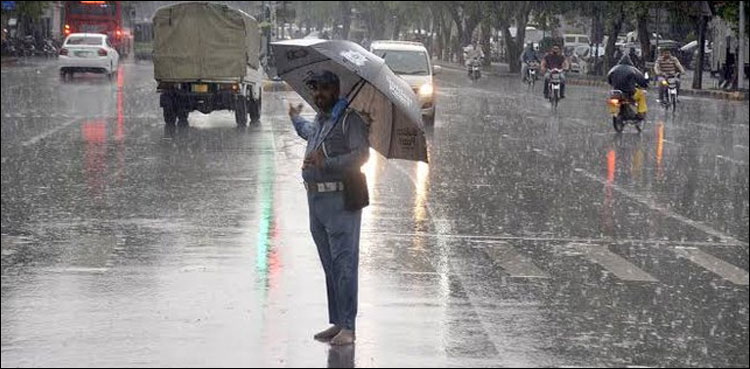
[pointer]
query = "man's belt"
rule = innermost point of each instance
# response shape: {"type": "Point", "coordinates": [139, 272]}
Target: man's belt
{"type": "Point", "coordinates": [324, 186]}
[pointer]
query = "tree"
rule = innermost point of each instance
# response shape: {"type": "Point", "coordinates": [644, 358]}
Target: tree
{"type": "Point", "coordinates": [641, 11]}
{"type": "Point", "coordinates": [29, 12]}
{"type": "Point", "coordinates": [466, 16]}
{"type": "Point", "coordinates": [443, 28]}
{"type": "Point", "coordinates": [345, 18]}
{"type": "Point", "coordinates": [615, 17]}
{"type": "Point", "coordinates": [729, 11]}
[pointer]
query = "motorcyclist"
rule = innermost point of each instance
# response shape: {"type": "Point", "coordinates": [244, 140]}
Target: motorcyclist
{"type": "Point", "coordinates": [635, 59]}
{"type": "Point", "coordinates": [627, 78]}
{"type": "Point", "coordinates": [474, 54]}
{"type": "Point", "coordinates": [667, 65]}
{"type": "Point", "coordinates": [554, 60]}
{"type": "Point", "coordinates": [527, 57]}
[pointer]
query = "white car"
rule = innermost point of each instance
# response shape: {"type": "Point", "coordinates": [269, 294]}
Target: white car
{"type": "Point", "coordinates": [575, 40]}
{"type": "Point", "coordinates": [88, 52]}
{"type": "Point", "coordinates": [411, 62]}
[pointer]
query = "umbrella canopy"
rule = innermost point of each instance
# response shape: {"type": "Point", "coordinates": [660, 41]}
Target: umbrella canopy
{"type": "Point", "coordinates": [384, 100]}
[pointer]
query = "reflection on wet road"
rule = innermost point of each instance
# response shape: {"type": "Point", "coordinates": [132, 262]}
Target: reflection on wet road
{"type": "Point", "coordinates": [533, 238]}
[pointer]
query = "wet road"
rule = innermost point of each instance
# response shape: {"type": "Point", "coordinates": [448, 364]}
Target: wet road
{"type": "Point", "coordinates": [533, 238]}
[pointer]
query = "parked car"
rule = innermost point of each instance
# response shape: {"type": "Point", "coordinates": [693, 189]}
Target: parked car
{"type": "Point", "coordinates": [88, 52]}
{"type": "Point", "coordinates": [411, 62]}
{"type": "Point", "coordinates": [575, 40]}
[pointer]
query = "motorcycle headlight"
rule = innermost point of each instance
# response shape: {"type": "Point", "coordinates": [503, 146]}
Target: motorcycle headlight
{"type": "Point", "coordinates": [664, 82]}
{"type": "Point", "coordinates": [425, 90]}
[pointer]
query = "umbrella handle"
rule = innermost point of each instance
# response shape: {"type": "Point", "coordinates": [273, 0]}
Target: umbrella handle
{"type": "Point", "coordinates": [354, 91]}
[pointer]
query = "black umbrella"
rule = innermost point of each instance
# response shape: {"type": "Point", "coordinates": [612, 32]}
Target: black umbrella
{"type": "Point", "coordinates": [385, 101]}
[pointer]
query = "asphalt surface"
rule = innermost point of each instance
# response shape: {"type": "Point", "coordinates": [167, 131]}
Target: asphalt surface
{"type": "Point", "coordinates": [533, 238]}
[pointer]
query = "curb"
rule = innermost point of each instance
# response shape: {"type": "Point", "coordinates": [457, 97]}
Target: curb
{"type": "Point", "coordinates": [721, 95]}
{"type": "Point", "coordinates": [9, 60]}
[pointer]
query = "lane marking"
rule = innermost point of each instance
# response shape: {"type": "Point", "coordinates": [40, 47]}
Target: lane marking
{"type": "Point", "coordinates": [651, 204]}
{"type": "Point", "coordinates": [733, 161]}
{"type": "Point", "coordinates": [495, 239]}
{"type": "Point", "coordinates": [512, 262]}
{"type": "Point", "coordinates": [715, 265]}
{"type": "Point", "coordinates": [614, 263]}
{"type": "Point", "coordinates": [44, 135]}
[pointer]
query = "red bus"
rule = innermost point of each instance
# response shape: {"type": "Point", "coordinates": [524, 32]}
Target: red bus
{"type": "Point", "coordinates": [105, 17]}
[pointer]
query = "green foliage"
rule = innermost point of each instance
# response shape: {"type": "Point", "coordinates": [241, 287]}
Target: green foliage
{"type": "Point", "coordinates": [31, 9]}
{"type": "Point", "coordinates": [730, 12]}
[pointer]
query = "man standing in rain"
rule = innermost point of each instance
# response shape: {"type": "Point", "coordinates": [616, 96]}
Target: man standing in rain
{"type": "Point", "coordinates": [337, 144]}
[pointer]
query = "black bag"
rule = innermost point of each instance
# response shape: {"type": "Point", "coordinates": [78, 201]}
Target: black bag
{"type": "Point", "coordinates": [356, 196]}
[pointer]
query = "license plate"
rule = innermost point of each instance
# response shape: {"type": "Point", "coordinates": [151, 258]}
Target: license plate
{"type": "Point", "coordinates": [555, 87]}
{"type": "Point", "coordinates": [83, 54]}
{"type": "Point", "coordinates": [673, 91]}
{"type": "Point", "coordinates": [200, 88]}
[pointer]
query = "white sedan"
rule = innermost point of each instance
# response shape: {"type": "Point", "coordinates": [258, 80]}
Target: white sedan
{"type": "Point", "coordinates": [88, 52]}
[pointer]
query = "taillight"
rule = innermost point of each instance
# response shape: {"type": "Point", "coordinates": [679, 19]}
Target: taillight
{"type": "Point", "coordinates": [118, 33]}
{"type": "Point", "coordinates": [102, 52]}
{"type": "Point", "coordinates": [63, 51]}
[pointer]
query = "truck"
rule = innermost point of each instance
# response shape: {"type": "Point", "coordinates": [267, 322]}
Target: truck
{"type": "Point", "coordinates": [206, 58]}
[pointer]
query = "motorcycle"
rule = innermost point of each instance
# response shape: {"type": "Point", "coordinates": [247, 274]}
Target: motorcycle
{"type": "Point", "coordinates": [49, 49]}
{"type": "Point", "coordinates": [669, 92]}
{"type": "Point", "coordinates": [27, 46]}
{"type": "Point", "coordinates": [555, 83]}
{"type": "Point", "coordinates": [531, 74]}
{"type": "Point", "coordinates": [624, 111]}
{"type": "Point", "coordinates": [10, 48]}
{"type": "Point", "coordinates": [475, 71]}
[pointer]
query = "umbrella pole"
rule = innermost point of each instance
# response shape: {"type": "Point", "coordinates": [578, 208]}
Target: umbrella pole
{"type": "Point", "coordinates": [354, 91]}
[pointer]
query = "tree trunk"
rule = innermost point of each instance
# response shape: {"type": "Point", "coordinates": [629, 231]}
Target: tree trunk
{"type": "Point", "coordinates": [459, 41]}
{"type": "Point", "coordinates": [644, 36]}
{"type": "Point", "coordinates": [346, 19]}
{"type": "Point", "coordinates": [486, 44]}
{"type": "Point", "coordinates": [396, 28]}
{"type": "Point", "coordinates": [698, 75]}
{"type": "Point", "coordinates": [514, 52]}
{"type": "Point", "coordinates": [614, 31]}
{"type": "Point", "coordinates": [511, 55]}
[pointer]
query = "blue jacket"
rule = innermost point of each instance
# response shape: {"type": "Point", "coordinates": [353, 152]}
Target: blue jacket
{"type": "Point", "coordinates": [345, 143]}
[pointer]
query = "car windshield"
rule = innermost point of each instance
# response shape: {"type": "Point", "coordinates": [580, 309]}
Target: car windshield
{"type": "Point", "coordinates": [405, 62]}
{"type": "Point", "coordinates": [84, 40]}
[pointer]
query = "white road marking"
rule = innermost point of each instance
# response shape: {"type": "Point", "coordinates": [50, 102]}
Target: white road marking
{"type": "Point", "coordinates": [44, 135]}
{"type": "Point", "coordinates": [512, 262]}
{"type": "Point", "coordinates": [651, 204]}
{"type": "Point", "coordinates": [715, 265]}
{"type": "Point", "coordinates": [614, 263]}
{"type": "Point", "coordinates": [733, 161]}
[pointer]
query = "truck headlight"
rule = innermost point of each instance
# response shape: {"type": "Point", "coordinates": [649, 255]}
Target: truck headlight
{"type": "Point", "coordinates": [425, 90]}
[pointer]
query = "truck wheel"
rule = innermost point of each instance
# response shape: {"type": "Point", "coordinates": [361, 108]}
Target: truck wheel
{"type": "Point", "coordinates": [170, 117]}
{"type": "Point", "coordinates": [240, 111]}
{"type": "Point", "coordinates": [254, 110]}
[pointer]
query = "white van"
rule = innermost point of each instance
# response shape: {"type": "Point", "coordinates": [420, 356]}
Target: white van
{"type": "Point", "coordinates": [574, 40]}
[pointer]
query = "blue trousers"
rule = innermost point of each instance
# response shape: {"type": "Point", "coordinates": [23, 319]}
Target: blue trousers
{"type": "Point", "coordinates": [336, 234]}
